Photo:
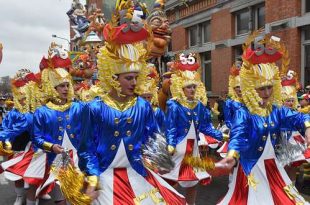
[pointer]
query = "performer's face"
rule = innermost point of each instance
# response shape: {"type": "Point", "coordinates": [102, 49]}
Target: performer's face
{"type": "Point", "coordinates": [63, 90]}
{"type": "Point", "coordinates": [304, 103]}
{"type": "Point", "coordinates": [128, 82]}
{"type": "Point", "coordinates": [22, 101]}
{"type": "Point", "coordinates": [238, 91]}
{"type": "Point", "coordinates": [147, 97]}
{"type": "Point", "coordinates": [190, 91]}
{"type": "Point", "coordinates": [265, 93]}
{"type": "Point", "coordinates": [289, 102]}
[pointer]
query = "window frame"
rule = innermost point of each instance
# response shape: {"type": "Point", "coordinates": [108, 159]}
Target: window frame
{"type": "Point", "coordinates": [204, 62]}
{"type": "Point", "coordinates": [304, 44]}
{"type": "Point", "coordinates": [203, 33]}
{"type": "Point", "coordinates": [253, 18]}
{"type": "Point", "coordinates": [189, 36]}
{"type": "Point", "coordinates": [256, 17]}
{"type": "Point", "coordinates": [236, 21]}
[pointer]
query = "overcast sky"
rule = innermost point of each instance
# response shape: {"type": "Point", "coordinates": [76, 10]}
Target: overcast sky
{"type": "Point", "coordinates": [26, 28]}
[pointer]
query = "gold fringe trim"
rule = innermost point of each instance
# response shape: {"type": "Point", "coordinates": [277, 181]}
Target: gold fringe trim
{"type": "Point", "coordinates": [288, 190]}
{"type": "Point", "coordinates": [197, 162]}
{"type": "Point", "coordinates": [72, 184]}
{"type": "Point", "coordinates": [252, 182]}
{"type": "Point", "coordinates": [152, 193]}
{"type": "Point", "coordinates": [5, 152]}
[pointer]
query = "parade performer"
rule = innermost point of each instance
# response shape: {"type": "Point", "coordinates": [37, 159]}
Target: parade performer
{"type": "Point", "coordinates": [295, 140]}
{"type": "Point", "coordinates": [234, 92]}
{"type": "Point", "coordinates": [149, 92]}
{"type": "Point", "coordinates": [187, 115]}
{"type": "Point", "coordinates": [232, 104]}
{"type": "Point", "coordinates": [57, 123]}
{"type": "Point", "coordinates": [116, 126]}
{"type": "Point", "coordinates": [18, 129]}
{"type": "Point", "coordinates": [304, 102]}
{"type": "Point", "coordinates": [290, 85]}
{"type": "Point", "coordinates": [77, 15]}
{"type": "Point", "coordinates": [258, 178]}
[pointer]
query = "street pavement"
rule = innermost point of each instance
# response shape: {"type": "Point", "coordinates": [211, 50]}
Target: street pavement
{"type": "Point", "coordinates": [207, 195]}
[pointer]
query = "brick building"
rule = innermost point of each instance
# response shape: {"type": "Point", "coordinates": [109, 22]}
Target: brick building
{"type": "Point", "coordinates": [217, 28]}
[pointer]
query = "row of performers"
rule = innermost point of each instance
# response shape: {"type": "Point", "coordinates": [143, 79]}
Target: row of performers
{"type": "Point", "coordinates": [108, 151]}
{"type": "Point", "coordinates": [104, 137]}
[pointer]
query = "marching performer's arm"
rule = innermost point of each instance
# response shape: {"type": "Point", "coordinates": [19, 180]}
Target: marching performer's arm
{"type": "Point", "coordinates": [238, 136]}
{"type": "Point", "coordinates": [88, 161]}
{"type": "Point", "coordinates": [237, 141]}
{"type": "Point", "coordinates": [207, 128]}
{"type": "Point", "coordinates": [171, 127]}
{"type": "Point", "coordinates": [293, 120]}
{"type": "Point", "coordinates": [14, 124]}
{"type": "Point", "coordinates": [38, 133]}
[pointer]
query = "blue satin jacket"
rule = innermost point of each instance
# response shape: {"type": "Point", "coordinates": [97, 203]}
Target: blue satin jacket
{"type": "Point", "coordinates": [50, 126]}
{"type": "Point", "coordinates": [160, 118]}
{"type": "Point", "coordinates": [14, 124]}
{"type": "Point", "coordinates": [230, 108]}
{"type": "Point", "coordinates": [179, 119]}
{"type": "Point", "coordinates": [103, 129]}
{"type": "Point", "coordinates": [249, 132]}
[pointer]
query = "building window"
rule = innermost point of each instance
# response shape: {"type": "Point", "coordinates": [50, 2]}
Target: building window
{"type": "Point", "coordinates": [307, 65]}
{"type": "Point", "coordinates": [206, 72]}
{"type": "Point", "coordinates": [260, 17]}
{"type": "Point", "coordinates": [249, 19]}
{"type": "Point", "coordinates": [307, 32]}
{"type": "Point", "coordinates": [305, 72]}
{"type": "Point", "coordinates": [199, 33]}
{"type": "Point", "coordinates": [242, 21]}
{"type": "Point", "coordinates": [307, 6]}
{"type": "Point", "coordinates": [193, 35]}
{"type": "Point", "coordinates": [206, 32]}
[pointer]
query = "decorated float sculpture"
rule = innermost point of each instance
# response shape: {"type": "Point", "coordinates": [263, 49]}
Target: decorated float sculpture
{"type": "Point", "coordinates": [77, 15]}
{"type": "Point", "coordinates": [159, 24]}
{"type": "Point", "coordinates": [97, 23]}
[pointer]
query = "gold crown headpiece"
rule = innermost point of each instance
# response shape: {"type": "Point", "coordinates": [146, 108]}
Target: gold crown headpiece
{"type": "Point", "coordinates": [259, 70]}
{"type": "Point", "coordinates": [150, 85]}
{"type": "Point", "coordinates": [234, 81]}
{"type": "Point", "coordinates": [54, 71]}
{"type": "Point", "coordinates": [181, 79]}
{"type": "Point", "coordinates": [290, 85]}
{"type": "Point", "coordinates": [126, 48]}
{"type": "Point", "coordinates": [24, 85]}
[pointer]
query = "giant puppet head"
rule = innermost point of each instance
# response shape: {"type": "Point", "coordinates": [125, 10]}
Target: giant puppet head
{"type": "Point", "coordinates": [97, 23]}
{"type": "Point", "coordinates": [160, 27]}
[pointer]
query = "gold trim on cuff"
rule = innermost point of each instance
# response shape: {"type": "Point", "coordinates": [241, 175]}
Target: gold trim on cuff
{"type": "Point", "coordinates": [225, 137]}
{"type": "Point", "coordinates": [47, 146]}
{"type": "Point", "coordinates": [234, 154]}
{"type": "Point", "coordinates": [92, 181]}
{"type": "Point", "coordinates": [307, 124]}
